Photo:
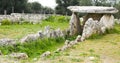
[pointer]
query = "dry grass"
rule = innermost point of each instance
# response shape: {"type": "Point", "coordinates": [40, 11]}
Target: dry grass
{"type": "Point", "coordinates": [105, 49]}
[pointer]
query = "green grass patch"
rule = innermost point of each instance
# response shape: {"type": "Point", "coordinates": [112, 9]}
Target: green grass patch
{"type": "Point", "coordinates": [18, 31]}
{"type": "Point", "coordinates": [34, 48]}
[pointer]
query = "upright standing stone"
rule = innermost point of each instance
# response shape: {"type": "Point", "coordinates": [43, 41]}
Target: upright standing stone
{"type": "Point", "coordinates": [107, 21]}
{"type": "Point", "coordinates": [74, 24]}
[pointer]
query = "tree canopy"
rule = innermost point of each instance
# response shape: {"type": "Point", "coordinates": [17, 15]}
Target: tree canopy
{"type": "Point", "coordinates": [63, 4]}
{"type": "Point", "coordinates": [19, 6]}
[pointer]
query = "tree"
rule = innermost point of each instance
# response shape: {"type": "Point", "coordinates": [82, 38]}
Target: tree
{"type": "Point", "coordinates": [36, 7]}
{"type": "Point", "coordinates": [85, 2]}
{"type": "Point", "coordinates": [12, 6]}
{"type": "Point", "coordinates": [100, 3]}
{"type": "Point", "coordinates": [48, 10]}
{"type": "Point", "coordinates": [63, 4]}
{"type": "Point", "coordinates": [117, 5]}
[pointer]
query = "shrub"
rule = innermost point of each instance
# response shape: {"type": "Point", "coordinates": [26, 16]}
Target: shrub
{"type": "Point", "coordinates": [6, 22]}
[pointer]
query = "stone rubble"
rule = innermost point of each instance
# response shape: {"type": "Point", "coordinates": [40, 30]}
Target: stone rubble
{"type": "Point", "coordinates": [47, 53]}
{"type": "Point", "coordinates": [32, 18]}
{"type": "Point", "coordinates": [7, 41]}
{"type": "Point", "coordinates": [48, 32]}
{"type": "Point", "coordinates": [18, 55]}
{"type": "Point", "coordinates": [30, 37]}
{"type": "Point", "coordinates": [69, 44]}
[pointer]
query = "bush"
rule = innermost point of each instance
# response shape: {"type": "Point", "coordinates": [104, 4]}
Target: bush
{"type": "Point", "coordinates": [6, 22]}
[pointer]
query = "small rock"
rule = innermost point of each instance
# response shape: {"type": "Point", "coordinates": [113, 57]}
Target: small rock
{"type": "Point", "coordinates": [40, 34]}
{"type": "Point", "coordinates": [78, 39]}
{"type": "Point", "coordinates": [92, 58]}
{"type": "Point", "coordinates": [67, 42]}
{"type": "Point", "coordinates": [58, 50]}
{"type": "Point", "coordinates": [7, 41]}
{"type": "Point", "coordinates": [30, 37]}
{"type": "Point", "coordinates": [72, 43]}
{"type": "Point", "coordinates": [19, 55]}
{"type": "Point", "coordinates": [64, 48]}
{"type": "Point", "coordinates": [47, 53]}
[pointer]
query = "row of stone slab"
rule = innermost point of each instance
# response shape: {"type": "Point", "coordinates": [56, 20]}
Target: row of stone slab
{"type": "Point", "coordinates": [48, 32]}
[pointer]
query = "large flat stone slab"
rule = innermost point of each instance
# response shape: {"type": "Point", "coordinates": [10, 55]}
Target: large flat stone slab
{"type": "Point", "coordinates": [92, 9]}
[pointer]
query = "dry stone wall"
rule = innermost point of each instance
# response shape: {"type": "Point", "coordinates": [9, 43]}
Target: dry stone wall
{"type": "Point", "coordinates": [27, 17]}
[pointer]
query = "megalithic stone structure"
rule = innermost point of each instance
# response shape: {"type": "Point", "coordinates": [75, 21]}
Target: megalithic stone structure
{"type": "Point", "coordinates": [99, 13]}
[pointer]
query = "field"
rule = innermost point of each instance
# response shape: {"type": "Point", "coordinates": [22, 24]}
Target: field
{"type": "Point", "coordinates": [104, 48]}
{"type": "Point", "coordinates": [18, 31]}
{"type": "Point", "coordinates": [97, 49]}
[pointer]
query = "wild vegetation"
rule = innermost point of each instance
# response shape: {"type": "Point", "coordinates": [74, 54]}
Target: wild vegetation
{"type": "Point", "coordinates": [33, 48]}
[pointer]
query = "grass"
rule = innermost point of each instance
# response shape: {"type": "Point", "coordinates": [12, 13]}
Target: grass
{"type": "Point", "coordinates": [98, 46]}
{"type": "Point", "coordinates": [18, 31]}
{"type": "Point", "coordinates": [34, 48]}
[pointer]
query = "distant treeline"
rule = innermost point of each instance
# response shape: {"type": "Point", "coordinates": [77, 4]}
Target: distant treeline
{"type": "Point", "coordinates": [63, 4]}
{"type": "Point", "coordinates": [20, 6]}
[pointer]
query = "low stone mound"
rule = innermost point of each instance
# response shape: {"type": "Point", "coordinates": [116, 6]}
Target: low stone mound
{"type": "Point", "coordinates": [7, 41]}
{"type": "Point", "coordinates": [18, 55]}
{"type": "Point", "coordinates": [47, 33]}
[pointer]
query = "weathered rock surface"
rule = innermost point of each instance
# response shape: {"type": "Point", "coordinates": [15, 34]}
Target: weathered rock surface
{"type": "Point", "coordinates": [30, 37]}
{"type": "Point", "coordinates": [78, 39]}
{"type": "Point", "coordinates": [19, 17]}
{"type": "Point", "coordinates": [94, 26]}
{"type": "Point", "coordinates": [19, 55]}
{"type": "Point", "coordinates": [107, 21]}
{"type": "Point", "coordinates": [69, 44]}
{"type": "Point", "coordinates": [92, 9]}
{"type": "Point", "coordinates": [7, 41]}
{"type": "Point", "coordinates": [74, 25]}
{"type": "Point", "coordinates": [47, 53]}
{"type": "Point", "coordinates": [90, 27]}
{"type": "Point", "coordinates": [48, 32]}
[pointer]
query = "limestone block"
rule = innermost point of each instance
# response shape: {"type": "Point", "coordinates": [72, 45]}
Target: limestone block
{"type": "Point", "coordinates": [107, 21]}
{"type": "Point", "coordinates": [74, 25]}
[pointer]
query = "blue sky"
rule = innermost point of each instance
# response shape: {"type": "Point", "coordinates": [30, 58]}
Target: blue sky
{"type": "Point", "coordinates": [48, 3]}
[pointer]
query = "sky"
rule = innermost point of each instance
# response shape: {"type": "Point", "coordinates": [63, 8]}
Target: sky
{"type": "Point", "coordinates": [48, 3]}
